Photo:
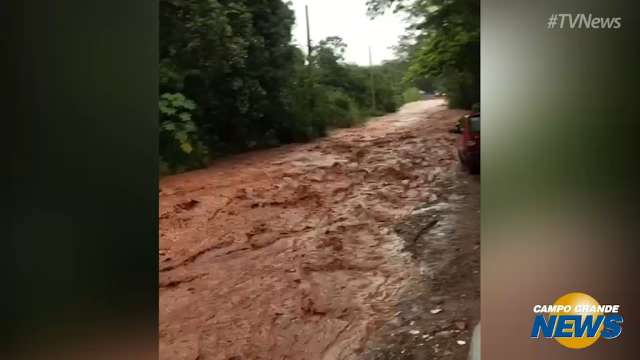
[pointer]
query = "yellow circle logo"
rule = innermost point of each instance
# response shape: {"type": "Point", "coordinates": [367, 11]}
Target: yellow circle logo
{"type": "Point", "coordinates": [581, 305]}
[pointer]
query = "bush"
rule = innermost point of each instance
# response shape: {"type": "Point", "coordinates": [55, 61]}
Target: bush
{"type": "Point", "coordinates": [386, 102]}
{"type": "Point", "coordinates": [459, 89]}
{"type": "Point", "coordinates": [180, 146]}
{"type": "Point", "coordinates": [305, 121]}
{"type": "Point", "coordinates": [410, 95]}
{"type": "Point", "coordinates": [342, 110]}
{"type": "Point", "coordinates": [253, 87]}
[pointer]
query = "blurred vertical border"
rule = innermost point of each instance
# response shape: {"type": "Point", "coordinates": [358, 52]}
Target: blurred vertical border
{"type": "Point", "coordinates": [79, 179]}
{"type": "Point", "coordinates": [560, 176]}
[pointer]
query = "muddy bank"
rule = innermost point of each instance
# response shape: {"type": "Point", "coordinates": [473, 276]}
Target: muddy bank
{"type": "Point", "coordinates": [436, 315]}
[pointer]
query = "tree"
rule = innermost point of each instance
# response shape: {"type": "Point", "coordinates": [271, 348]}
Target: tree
{"type": "Point", "coordinates": [446, 44]}
{"type": "Point", "coordinates": [230, 80]}
{"type": "Point", "coordinates": [234, 59]}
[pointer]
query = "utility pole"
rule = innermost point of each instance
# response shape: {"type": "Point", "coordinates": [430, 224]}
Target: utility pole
{"type": "Point", "coordinates": [373, 91]}
{"type": "Point", "coordinates": [309, 86]}
{"type": "Point", "coordinates": [309, 49]}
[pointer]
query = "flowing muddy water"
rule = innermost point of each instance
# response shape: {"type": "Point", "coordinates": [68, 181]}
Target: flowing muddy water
{"type": "Point", "coordinates": [291, 253]}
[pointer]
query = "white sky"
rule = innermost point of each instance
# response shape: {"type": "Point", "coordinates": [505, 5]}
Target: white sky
{"type": "Point", "coordinates": [348, 19]}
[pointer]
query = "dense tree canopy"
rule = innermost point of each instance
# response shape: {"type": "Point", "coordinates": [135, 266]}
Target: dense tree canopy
{"type": "Point", "coordinates": [233, 57]}
{"type": "Point", "coordinates": [231, 79]}
{"type": "Point", "coordinates": [445, 46]}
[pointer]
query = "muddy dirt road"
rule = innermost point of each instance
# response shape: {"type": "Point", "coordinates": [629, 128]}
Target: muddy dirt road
{"type": "Point", "coordinates": [321, 250]}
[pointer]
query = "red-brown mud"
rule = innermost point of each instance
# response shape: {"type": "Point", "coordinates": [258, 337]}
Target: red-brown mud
{"type": "Point", "coordinates": [293, 253]}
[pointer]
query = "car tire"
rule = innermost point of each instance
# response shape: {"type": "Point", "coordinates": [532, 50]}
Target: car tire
{"type": "Point", "coordinates": [461, 158]}
{"type": "Point", "coordinates": [474, 169]}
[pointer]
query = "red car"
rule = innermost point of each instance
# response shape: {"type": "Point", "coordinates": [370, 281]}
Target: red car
{"type": "Point", "coordinates": [468, 144]}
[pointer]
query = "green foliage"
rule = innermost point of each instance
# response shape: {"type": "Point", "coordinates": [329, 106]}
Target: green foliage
{"type": "Point", "coordinates": [410, 95]}
{"type": "Point", "coordinates": [180, 147]}
{"type": "Point", "coordinates": [446, 47]}
{"type": "Point", "coordinates": [342, 110]}
{"type": "Point", "coordinates": [328, 93]}
{"type": "Point", "coordinates": [231, 80]}
{"type": "Point", "coordinates": [354, 82]}
{"type": "Point", "coordinates": [234, 59]}
{"type": "Point", "coordinates": [459, 89]}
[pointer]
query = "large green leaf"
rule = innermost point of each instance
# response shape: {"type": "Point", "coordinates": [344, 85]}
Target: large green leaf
{"type": "Point", "coordinates": [185, 116]}
{"type": "Point", "coordinates": [182, 136]}
{"type": "Point", "coordinates": [186, 147]}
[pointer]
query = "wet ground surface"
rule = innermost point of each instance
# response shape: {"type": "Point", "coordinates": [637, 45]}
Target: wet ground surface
{"type": "Point", "coordinates": [437, 314]}
{"type": "Point", "coordinates": [338, 249]}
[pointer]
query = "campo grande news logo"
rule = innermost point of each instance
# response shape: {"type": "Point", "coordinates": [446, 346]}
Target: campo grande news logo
{"type": "Point", "coordinates": [576, 321]}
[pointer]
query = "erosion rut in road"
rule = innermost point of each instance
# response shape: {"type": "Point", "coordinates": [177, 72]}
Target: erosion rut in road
{"type": "Point", "coordinates": [290, 253]}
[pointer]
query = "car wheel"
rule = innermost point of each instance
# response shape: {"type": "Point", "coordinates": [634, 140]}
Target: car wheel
{"type": "Point", "coordinates": [474, 169]}
{"type": "Point", "coordinates": [461, 158]}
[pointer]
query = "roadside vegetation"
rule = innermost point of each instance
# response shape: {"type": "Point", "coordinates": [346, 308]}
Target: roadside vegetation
{"type": "Point", "coordinates": [231, 80]}
{"type": "Point", "coordinates": [441, 46]}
